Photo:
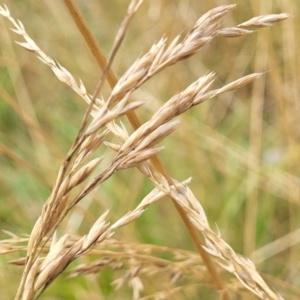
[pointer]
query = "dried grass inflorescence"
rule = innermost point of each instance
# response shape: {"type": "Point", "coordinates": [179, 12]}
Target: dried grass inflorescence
{"type": "Point", "coordinates": [133, 151]}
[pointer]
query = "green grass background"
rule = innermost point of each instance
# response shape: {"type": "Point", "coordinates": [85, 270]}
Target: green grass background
{"type": "Point", "coordinates": [217, 144]}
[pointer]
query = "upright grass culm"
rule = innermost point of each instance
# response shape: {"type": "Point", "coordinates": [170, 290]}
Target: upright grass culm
{"type": "Point", "coordinates": [49, 255]}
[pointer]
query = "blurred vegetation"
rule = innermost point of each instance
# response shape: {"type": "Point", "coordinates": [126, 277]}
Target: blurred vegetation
{"type": "Point", "coordinates": [241, 149]}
